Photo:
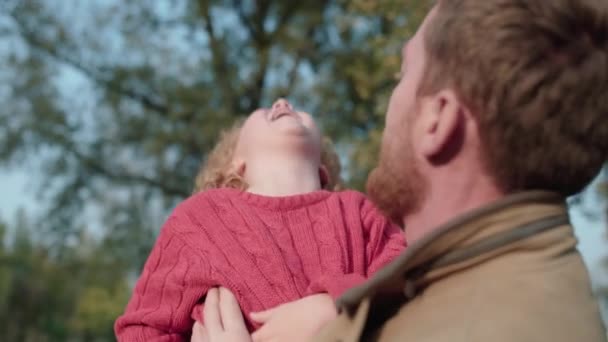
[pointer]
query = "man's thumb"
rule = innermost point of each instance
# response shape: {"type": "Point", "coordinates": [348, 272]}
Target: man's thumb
{"type": "Point", "coordinates": [261, 316]}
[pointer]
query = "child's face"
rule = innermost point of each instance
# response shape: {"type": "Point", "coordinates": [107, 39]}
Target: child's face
{"type": "Point", "coordinates": [278, 129]}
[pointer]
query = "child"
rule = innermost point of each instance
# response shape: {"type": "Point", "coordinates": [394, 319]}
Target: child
{"type": "Point", "coordinates": [264, 226]}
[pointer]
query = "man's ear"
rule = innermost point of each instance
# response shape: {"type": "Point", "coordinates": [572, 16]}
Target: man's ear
{"type": "Point", "coordinates": [323, 176]}
{"type": "Point", "coordinates": [239, 166]}
{"type": "Point", "coordinates": [442, 115]}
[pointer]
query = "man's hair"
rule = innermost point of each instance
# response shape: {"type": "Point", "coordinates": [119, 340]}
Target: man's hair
{"type": "Point", "coordinates": [534, 73]}
{"type": "Point", "coordinates": [217, 171]}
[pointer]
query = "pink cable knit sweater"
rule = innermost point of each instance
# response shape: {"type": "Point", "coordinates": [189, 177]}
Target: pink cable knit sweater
{"type": "Point", "coordinates": [267, 250]}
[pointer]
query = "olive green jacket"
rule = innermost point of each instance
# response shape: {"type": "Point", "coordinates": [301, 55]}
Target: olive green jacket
{"type": "Point", "coordinates": [507, 272]}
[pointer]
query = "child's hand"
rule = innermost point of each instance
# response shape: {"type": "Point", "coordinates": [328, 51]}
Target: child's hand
{"type": "Point", "coordinates": [223, 319]}
{"type": "Point", "coordinates": [296, 321]}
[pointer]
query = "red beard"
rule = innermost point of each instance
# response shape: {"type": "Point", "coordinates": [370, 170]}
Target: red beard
{"type": "Point", "coordinates": [396, 185]}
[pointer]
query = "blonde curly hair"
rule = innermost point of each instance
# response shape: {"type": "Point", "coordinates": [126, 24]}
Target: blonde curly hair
{"type": "Point", "coordinates": [216, 171]}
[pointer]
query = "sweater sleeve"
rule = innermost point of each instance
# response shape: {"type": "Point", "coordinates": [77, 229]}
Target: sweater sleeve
{"type": "Point", "coordinates": [384, 240]}
{"type": "Point", "coordinates": [174, 278]}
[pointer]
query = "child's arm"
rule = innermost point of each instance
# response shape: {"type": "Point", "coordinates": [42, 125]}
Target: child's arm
{"type": "Point", "coordinates": [384, 239]}
{"type": "Point", "coordinates": [174, 278]}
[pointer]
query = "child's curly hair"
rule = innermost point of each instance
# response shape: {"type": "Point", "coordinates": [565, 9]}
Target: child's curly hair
{"type": "Point", "coordinates": [216, 172]}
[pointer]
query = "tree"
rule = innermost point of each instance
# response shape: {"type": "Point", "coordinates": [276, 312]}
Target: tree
{"type": "Point", "coordinates": [118, 102]}
{"type": "Point", "coordinates": [72, 297]}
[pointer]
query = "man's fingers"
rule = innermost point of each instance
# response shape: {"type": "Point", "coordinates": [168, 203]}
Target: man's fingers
{"type": "Point", "coordinates": [262, 334]}
{"type": "Point", "coordinates": [230, 311]}
{"type": "Point", "coordinates": [261, 316]}
{"type": "Point", "coordinates": [211, 312]}
{"type": "Point", "coordinates": [199, 333]}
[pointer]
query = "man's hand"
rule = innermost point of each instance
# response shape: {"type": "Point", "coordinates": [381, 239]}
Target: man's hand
{"type": "Point", "coordinates": [223, 319]}
{"type": "Point", "coordinates": [295, 321]}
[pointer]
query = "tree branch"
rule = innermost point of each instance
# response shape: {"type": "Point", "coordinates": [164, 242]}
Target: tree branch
{"type": "Point", "coordinates": [115, 87]}
{"type": "Point", "coordinates": [288, 11]}
{"type": "Point", "coordinates": [262, 42]}
{"type": "Point", "coordinates": [301, 55]}
{"type": "Point", "coordinates": [219, 59]}
{"type": "Point", "coordinates": [293, 73]}
{"type": "Point", "coordinates": [255, 22]}
{"type": "Point", "coordinates": [98, 167]}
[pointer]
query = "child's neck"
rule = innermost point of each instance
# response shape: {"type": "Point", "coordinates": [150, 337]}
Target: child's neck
{"type": "Point", "coordinates": [275, 176]}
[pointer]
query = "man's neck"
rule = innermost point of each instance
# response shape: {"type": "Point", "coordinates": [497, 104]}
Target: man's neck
{"type": "Point", "coordinates": [449, 198]}
{"type": "Point", "coordinates": [276, 176]}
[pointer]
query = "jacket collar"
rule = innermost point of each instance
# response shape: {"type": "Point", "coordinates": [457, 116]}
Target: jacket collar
{"type": "Point", "coordinates": [456, 244]}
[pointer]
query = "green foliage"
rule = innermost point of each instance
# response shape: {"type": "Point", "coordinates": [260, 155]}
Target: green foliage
{"type": "Point", "coordinates": [119, 102]}
{"type": "Point", "coordinates": [72, 297]}
{"type": "Point", "coordinates": [116, 103]}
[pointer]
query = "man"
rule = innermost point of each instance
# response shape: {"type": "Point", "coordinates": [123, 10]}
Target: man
{"type": "Point", "coordinates": [500, 114]}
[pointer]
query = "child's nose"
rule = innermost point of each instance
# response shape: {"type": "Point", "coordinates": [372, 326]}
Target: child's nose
{"type": "Point", "coordinates": [282, 104]}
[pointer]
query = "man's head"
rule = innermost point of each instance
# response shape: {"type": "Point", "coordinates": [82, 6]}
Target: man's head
{"type": "Point", "coordinates": [279, 130]}
{"type": "Point", "coordinates": [510, 91]}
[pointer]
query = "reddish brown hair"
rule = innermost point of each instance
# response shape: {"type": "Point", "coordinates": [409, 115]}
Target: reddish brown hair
{"type": "Point", "coordinates": [535, 75]}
